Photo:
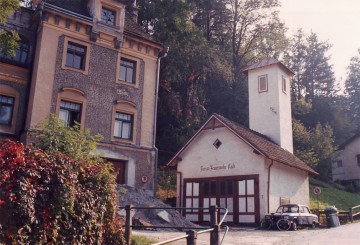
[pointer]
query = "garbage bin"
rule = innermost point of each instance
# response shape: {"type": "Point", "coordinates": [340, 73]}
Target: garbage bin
{"type": "Point", "coordinates": [332, 219]}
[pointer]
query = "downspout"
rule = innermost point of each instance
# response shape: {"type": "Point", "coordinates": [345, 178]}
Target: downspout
{"type": "Point", "coordinates": [180, 188]}
{"type": "Point", "coordinates": [268, 187]}
{"type": "Point", "coordinates": [157, 78]}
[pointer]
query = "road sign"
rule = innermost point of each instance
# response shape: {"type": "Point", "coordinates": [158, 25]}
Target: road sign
{"type": "Point", "coordinates": [317, 190]}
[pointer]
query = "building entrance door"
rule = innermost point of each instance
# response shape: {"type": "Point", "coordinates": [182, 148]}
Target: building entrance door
{"type": "Point", "coordinates": [239, 194]}
{"type": "Point", "coordinates": [119, 168]}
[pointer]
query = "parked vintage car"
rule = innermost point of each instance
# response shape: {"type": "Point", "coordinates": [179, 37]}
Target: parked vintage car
{"type": "Point", "coordinates": [290, 216]}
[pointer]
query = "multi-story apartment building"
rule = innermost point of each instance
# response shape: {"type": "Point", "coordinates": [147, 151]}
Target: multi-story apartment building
{"type": "Point", "coordinates": [86, 61]}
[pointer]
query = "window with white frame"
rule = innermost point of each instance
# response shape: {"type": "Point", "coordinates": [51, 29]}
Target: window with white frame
{"type": "Point", "coordinates": [123, 126]}
{"type": "Point", "coordinates": [127, 70]}
{"type": "Point", "coordinates": [70, 113]}
{"type": "Point", "coordinates": [263, 83]}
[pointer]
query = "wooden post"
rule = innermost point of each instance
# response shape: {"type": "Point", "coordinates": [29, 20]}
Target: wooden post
{"type": "Point", "coordinates": [215, 233]}
{"type": "Point", "coordinates": [213, 215]}
{"type": "Point", "coordinates": [351, 214]}
{"type": "Point", "coordinates": [128, 224]}
{"type": "Point", "coordinates": [215, 236]}
{"type": "Point", "coordinates": [191, 239]}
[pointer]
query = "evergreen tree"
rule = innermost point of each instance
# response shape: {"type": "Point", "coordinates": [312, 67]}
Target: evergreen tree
{"type": "Point", "coordinates": [307, 57]}
{"type": "Point", "coordinates": [352, 88]}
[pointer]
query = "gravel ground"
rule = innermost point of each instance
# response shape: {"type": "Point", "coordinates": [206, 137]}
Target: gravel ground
{"type": "Point", "coordinates": [343, 235]}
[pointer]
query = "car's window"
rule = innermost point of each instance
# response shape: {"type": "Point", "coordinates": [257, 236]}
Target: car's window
{"type": "Point", "coordinates": [306, 210]}
{"type": "Point", "coordinates": [294, 209]}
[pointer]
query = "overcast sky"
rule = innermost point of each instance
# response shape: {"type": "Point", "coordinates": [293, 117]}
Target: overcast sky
{"type": "Point", "coordinates": [335, 21]}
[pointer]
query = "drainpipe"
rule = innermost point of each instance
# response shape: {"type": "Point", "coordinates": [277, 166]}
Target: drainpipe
{"type": "Point", "coordinates": [179, 175]}
{"type": "Point", "coordinates": [162, 55]}
{"type": "Point", "coordinates": [268, 187]}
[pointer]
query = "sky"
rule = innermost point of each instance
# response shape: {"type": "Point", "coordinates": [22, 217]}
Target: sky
{"type": "Point", "coordinates": [335, 21]}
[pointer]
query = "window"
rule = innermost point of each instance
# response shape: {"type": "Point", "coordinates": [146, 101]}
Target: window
{"type": "Point", "coordinates": [127, 70]}
{"type": "Point", "coordinates": [339, 163]}
{"type": "Point", "coordinates": [108, 16]}
{"type": "Point", "coordinates": [123, 125]}
{"type": "Point", "coordinates": [217, 143]}
{"type": "Point", "coordinates": [263, 83]}
{"type": "Point", "coordinates": [358, 159]}
{"type": "Point", "coordinates": [6, 109]}
{"type": "Point", "coordinates": [70, 113]}
{"type": "Point", "coordinates": [21, 54]}
{"type": "Point", "coordinates": [75, 56]}
{"type": "Point", "coordinates": [284, 84]}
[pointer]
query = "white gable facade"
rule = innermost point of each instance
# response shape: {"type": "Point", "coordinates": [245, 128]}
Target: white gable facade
{"type": "Point", "coordinates": [234, 175]}
{"type": "Point", "coordinates": [346, 162]}
{"type": "Point", "coordinates": [248, 171]}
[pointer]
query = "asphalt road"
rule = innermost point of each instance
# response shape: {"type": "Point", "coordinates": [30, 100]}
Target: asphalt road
{"type": "Point", "coordinates": [343, 235]}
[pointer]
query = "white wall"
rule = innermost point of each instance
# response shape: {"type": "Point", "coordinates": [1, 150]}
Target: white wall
{"type": "Point", "coordinates": [270, 112]}
{"type": "Point", "coordinates": [288, 182]}
{"type": "Point", "coordinates": [352, 169]}
{"type": "Point", "coordinates": [201, 159]}
{"type": "Point", "coordinates": [237, 158]}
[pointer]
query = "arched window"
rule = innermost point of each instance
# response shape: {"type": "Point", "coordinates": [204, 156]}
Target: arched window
{"type": "Point", "coordinates": [71, 107]}
{"type": "Point", "coordinates": [9, 105]}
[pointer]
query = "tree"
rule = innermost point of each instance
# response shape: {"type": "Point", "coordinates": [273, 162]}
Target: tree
{"type": "Point", "coordinates": [191, 66]}
{"type": "Point", "coordinates": [245, 31]}
{"type": "Point", "coordinates": [352, 88]}
{"type": "Point", "coordinates": [8, 38]}
{"type": "Point", "coordinates": [318, 74]}
{"type": "Point", "coordinates": [307, 57]}
{"type": "Point", "coordinates": [47, 197]}
{"type": "Point", "coordinates": [314, 146]}
{"type": "Point", "coordinates": [53, 136]}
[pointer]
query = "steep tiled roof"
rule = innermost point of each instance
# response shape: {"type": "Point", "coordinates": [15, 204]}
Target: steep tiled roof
{"type": "Point", "coordinates": [266, 62]}
{"type": "Point", "coordinates": [258, 142]}
{"type": "Point", "coordinates": [131, 27]}
{"type": "Point", "coordinates": [265, 146]}
{"type": "Point", "coordinates": [348, 141]}
{"type": "Point", "coordinates": [76, 6]}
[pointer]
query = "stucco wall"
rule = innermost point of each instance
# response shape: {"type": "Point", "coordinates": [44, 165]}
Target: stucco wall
{"type": "Point", "coordinates": [201, 158]}
{"type": "Point", "coordinates": [270, 111]}
{"type": "Point", "coordinates": [43, 76]}
{"type": "Point", "coordinates": [234, 157]}
{"type": "Point", "coordinates": [289, 183]}
{"type": "Point", "coordinates": [351, 168]}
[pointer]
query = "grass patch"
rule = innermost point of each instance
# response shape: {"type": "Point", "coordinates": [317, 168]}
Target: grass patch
{"type": "Point", "coordinates": [332, 194]}
{"type": "Point", "coordinates": [142, 240]}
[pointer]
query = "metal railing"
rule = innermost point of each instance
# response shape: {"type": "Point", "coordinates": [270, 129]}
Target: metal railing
{"type": "Point", "coordinates": [191, 233]}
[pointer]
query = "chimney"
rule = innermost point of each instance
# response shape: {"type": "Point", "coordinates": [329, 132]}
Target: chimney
{"type": "Point", "coordinates": [270, 102]}
{"type": "Point", "coordinates": [35, 3]}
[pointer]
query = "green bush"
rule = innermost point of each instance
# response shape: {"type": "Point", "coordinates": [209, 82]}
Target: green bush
{"type": "Point", "coordinates": [47, 197]}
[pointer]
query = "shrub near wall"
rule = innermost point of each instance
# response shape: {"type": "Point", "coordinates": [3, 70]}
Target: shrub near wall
{"type": "Point", "coordinates": [54, 199]}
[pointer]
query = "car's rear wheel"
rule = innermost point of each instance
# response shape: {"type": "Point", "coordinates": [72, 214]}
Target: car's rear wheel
{"type": "Point", "coordinates": [283, 225]}
{"type": "Point", "coordinates": [314, 225]}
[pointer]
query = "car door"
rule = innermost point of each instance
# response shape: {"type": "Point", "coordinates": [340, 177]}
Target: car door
{"type": "Point", "coordinates": [308, 219]}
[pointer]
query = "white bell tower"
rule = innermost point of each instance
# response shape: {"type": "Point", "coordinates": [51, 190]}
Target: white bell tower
{"type": "Point", "coordinates": [270, 102]}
